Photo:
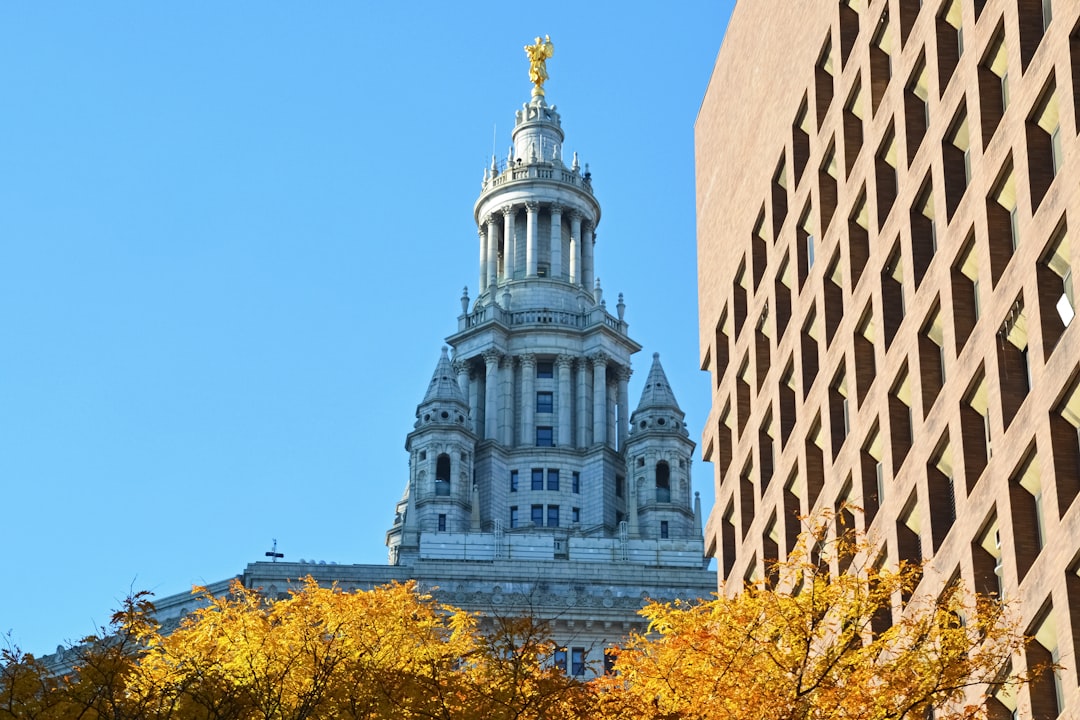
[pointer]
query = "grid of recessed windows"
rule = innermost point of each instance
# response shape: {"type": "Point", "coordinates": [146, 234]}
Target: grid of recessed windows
{"type": "Point", "coordinates": [940, 132]}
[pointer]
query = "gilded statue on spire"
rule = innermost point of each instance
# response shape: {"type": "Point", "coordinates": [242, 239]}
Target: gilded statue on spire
{"type": "Point", "coordinates": [538, 54]}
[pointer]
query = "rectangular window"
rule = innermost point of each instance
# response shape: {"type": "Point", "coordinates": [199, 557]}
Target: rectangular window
{"type": "Point", "coordinates": [442, 522]}
{"type": "Point", "coordinates": [560, 659]}
{"type": "Point", "coordinates": [538, 515]}
{"type": "Point", "coordinates": [544, 402]}
{"type": "Point", "coordinates": [619, 482]}
{"type": "Point", "coordinates": [575, 515]}
{"type": "Point", "coordinates": [545, 437]}
{"type": "Point", "coordinates": [663, 528]}
{"type": "Point", "coordinates": [538, 478]}
{"type": "Point", "coordinates": [552, 479]}
{"type": "Point", "coordinates": [513, 481]}
{"type": "Point", "coordinates": [575, 482]}
{"type": "Point", "coordinates": [513, 516]}
{"type": "Point", "coordinates": [545, 370]}
{"type": "Point", "coordinates": [577, 661]}
{"type": "Point", "coordinates": [553, 516]}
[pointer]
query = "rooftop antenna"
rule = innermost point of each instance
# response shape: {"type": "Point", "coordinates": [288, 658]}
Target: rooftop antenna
{"type": "Point", "coordinates": [494, 137]}
{"type": "Point", "coordinates": [273, 554]}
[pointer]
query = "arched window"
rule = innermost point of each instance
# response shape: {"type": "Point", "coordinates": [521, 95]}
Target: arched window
{"type": "Point", "coordinates": [663, 482]}
{"type": "Point", "coordinates": [442, 475]}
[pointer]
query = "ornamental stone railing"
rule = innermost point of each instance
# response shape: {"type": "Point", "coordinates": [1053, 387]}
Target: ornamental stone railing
{"type": "Point", "coordinates": [540, 317]}
{"type": "Point", "coordinates": [539, 171]}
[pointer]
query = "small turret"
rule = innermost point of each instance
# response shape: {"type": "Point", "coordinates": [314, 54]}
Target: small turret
{"type": "Point", "coordinates": [439, 496]}
{"type": "Point", "coordinates": [658, 455]}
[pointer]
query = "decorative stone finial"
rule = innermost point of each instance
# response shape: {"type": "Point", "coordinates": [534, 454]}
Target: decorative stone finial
{"type": "Point", "coordinates": [465, 300]}
{"type": "Point", "coordinates": [575, 165]}
{"type": "Point", "coordinates": [538, 53]}
{"type": "Point", "coordinates": [621, 307]}
{"type": "Point", "coordinates": [598, 294]}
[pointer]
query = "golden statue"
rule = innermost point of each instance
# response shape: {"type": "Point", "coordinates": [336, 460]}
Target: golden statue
{"type": "Point", "coordinates": [538, 54]}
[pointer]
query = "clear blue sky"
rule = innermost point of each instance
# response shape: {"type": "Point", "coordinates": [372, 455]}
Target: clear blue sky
{"type": "Point", "coordinates": [233, 237]}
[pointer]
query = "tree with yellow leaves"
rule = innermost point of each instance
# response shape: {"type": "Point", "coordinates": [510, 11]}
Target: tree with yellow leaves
{"type": "Point", "coordinates": [854, 645]}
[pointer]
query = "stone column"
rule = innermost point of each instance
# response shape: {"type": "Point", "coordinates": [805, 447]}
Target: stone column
{"type": "Point", "coordinates": [575, 247]}
{"type": "Point", "coordinates": [509, 242]}
{"type": "Point", "coordinates": [531, 209]}
{"type": "Point", "coordinates": [556, 270]}
{"type": "Point", "coordinates": [588, 238]}
{"type": "Point", "coordinates": [528, 399]}
{"type": "Point", "coordinates": [566, 428]}
{"type": "Point", "coordinates": [462, 369]}
{"type": "Point", "coordinates": [599, 366]}
{"type": "Point", "coordinates": [623, 375]}
{"type": "Point", "coordinates": [491, 394]}
{"type": "Point", "coordinates": [493, 251]}
{"type": "Point", "coordinates": [582, 404]}
{"type": "Point", "coordinates": [483, 259]}
{"type": "Point", "coordinates": [506, 413]}
{"type": "Point", "coordinates": [611, 407]}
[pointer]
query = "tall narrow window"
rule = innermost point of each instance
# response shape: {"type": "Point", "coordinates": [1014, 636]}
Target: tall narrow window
{"type": "Point", "coordinates": [537, 479]}
{"type": "Point", "coordinates": [722, 347]}
{"type": "Point", "coordinates": [1043, 655]}
{"type": "Point", "coordinates": [823, 82]}
{"type": "Point", "coordinates": [942, 492]}
{"type": "Point", "coordinates": [965, 293]}
{"type": "Point", "coordinates": [872, 474]}
{"type": "Point", "coordinates": [442, 522]}
{"type": "Point", "coordinates": [513, 516]}
{"type": "Point", "coordinates": [553, 516]}
{"type": "Point", "coordinates": [783, 286]}
{"type": "Point", "coordinates": [956, 161]}
{"type": "Point", "coordinates": [854, 114]}
{"type": "Point", "coordinates": [575, 482]}
{"type": "Point", "coordinates": [839, 418]}
{"type": "Point", "coordinates": [779, 196]}
{"type": "Point", "coordinates": [950, 42]}
{"type": "Point", "coordinates": [442, 475]}
{"type": "Point", "coordinates": [544, 402]}
{"type": "Point", "coordinates": [800, 140]}
{"type": "Point", "coordinates": [1014, 370]}
{"type": "Point", "coordinates": [513, 481]}
{"type": "Point", "coordinates": [993, 86]}
{"type": "Point", "coordinates": [916, 109]}
{"type": "Point", "coordinates": [900, 420]}
{"type": "Point", "coordinates": [834, 298]}
{"type": "Point", "coordinates": [537, 515]}
{"type": "Point", "coordinates": [828, 175]}
{"type": "Point", "coordinates": [811, 336]}
{"type": "Point", "coordinates": [923, 231]}
{"type": "Point", "coordinates": [988, 561]}
{"type": "Point", "coordinates": [885, 174]}
{"type": "Point", "coordinates": [892, 295]}
{"type": "Point", "coordinates": [865, 364]}
{"type": "Point", "coordinates": [1026, 507]}
{"type": "Point", "coordinates": [1056, 305]}
{"type": "Point", "coordinates": [1065, 439]}
{"type": "Point", "coordinates": [1044, 145]}
{"type": "Point", "coordinates": [552, 479]}
{"type": "Point", "coordinates": [663, 482]}
{"type": "Point", "coordinates": [881, 49]}
{"type": "Point", "coordinates": [787, 403]}
{"type": "Point", "coordinates": [1002, 222]}
{"type": "Point", "coordinates": [931, 359]}
{"type": "Point", "coordinates": [975, 429]}
{"type": "Point", "coordinates": [805, 250]}
{"type": "Point", "coordinates": [858, 239]}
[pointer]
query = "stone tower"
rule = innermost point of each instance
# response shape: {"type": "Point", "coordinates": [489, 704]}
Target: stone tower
{"type": "Point", "coordinates": [527, 440]}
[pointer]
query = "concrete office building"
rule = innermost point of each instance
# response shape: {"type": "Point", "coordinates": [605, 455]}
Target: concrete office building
{"type": "Point", "coordinates": [888, 196]}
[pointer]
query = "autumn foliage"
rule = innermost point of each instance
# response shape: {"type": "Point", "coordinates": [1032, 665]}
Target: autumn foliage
{"type": "Point", "coordinates": [809, 644]}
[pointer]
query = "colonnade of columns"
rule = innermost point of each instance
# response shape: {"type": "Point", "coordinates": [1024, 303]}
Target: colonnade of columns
{"type": "Point", "coordinates": [500, 246]}
{"type": "Point", "coordinates": [590, 398]}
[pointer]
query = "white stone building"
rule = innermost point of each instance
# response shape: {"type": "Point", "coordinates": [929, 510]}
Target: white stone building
{"type": "Point", "coordinates": [533, 487]}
